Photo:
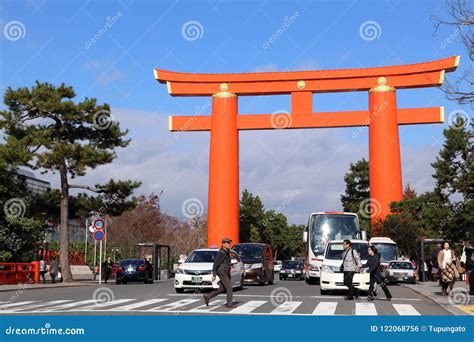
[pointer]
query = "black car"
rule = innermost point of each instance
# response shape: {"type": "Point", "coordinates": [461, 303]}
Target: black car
{"type": "Point", "coordinates": [134, 270]}
{"type": "Point", "coordinates": [258, 262]}
{"type": "Point", "coordinates": [292, 269]}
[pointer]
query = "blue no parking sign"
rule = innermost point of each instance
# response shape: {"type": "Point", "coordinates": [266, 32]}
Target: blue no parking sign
{"type": "Point", "coordinates": [98, 235]}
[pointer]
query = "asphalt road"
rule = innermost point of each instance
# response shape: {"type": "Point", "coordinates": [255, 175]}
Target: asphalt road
{"type": "Point", "coordinates": [290, 297]}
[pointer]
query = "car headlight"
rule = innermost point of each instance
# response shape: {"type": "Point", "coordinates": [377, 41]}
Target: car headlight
{"type": "Point", "coordinates": [259, 265]}
{"type": "Point", "coordinates": [327, 268]}
{"type": "Point", "coordinates": [179, 271]}
{"type": "Point", "coordinates": [282, 271]}
{"type": "Point", "coordinates": [298, 271]}
{"type": "Point", "coordinates": [411, 274]}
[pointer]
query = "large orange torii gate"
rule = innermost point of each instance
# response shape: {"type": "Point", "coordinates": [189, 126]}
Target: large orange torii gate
{"type": "Point", "coordinates": [382, 117]}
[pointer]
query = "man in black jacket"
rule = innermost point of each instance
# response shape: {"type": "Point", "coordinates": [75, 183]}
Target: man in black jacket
{"type": "Point", "coordinates": [469, 265]}
{"type": "Point", "coordinates": [221, 267]}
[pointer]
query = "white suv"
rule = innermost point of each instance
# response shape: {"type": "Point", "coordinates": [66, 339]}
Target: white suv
{"type": "Point", "coordinates": [331, 276]}
{"type": "Point", "coordinates": [196, 271]}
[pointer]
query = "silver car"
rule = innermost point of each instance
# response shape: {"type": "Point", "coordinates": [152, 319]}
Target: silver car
{"type": "Point", "coordinates": [401, 271]}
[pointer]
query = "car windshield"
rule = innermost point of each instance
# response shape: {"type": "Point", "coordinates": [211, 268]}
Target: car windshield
{"type": "Point", "coordinates": [249, 251]}
{"type": "Point", "coordinates": [401, 265]}
{"type": "Point", "coordinates": [388, 251]}
{"type": "Point", "coordinates": [326, 227]}
{"type": "Point", "coordinates": [293, 264]}
{"type": "Point", "coordinates": [131, 262]}
{"type": "Point", "coordinates": [201, 256]}
{"type": "Point", "coordinates": [335, 251]}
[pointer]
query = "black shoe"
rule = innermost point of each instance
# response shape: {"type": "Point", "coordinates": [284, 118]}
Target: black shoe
{"type": "Point", "coordinates": [357, 294]}
{"type": "Point", "coordinates": [206, 300]}
{"type": "Point", "coordinates": [389, 298]}
{"type": "Point", "coordinates": [370, 298]}
{"type": "Point", "coordinates": [348, 298]}
{"type": "Point", "coordinates": [230, 306]}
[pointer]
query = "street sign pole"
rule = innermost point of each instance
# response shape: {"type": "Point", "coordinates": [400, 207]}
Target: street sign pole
{"type": "Point", "coordinates": [95, 252]}
{"type": "Point", "coordinates": [105, 238]}
{"type": "Point", "coordinates": [100, 262]}
{"type": "Point", "coordinates": [85, 249]}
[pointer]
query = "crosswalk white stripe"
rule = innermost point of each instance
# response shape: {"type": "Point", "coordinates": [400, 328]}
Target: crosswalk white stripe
{"type": "Point", "coordinates": [365, 309]}
{"type": "Point", "coordinates": [406, 310]}
{"type": "Point", "coordinates": [101, 305]}
{"type": "Point", "coordinates": [212, 305]}
{"type": "Point", "coordinates": [70, 305]}
{"type": "Point", "coordinates": [286, 307]}
{"type": "Point", "coordinates": [5, 306]}
{"type": "Point", "coordinates": [248, 307]}
{"type": "Point", "coordinates": [40, 305]}
{"type": "Point", "coordinates": [138, 305]}
{"type": "Point", "coordinates": [325, 309]}
{"type": "Point", "coordinates": [175, 305]}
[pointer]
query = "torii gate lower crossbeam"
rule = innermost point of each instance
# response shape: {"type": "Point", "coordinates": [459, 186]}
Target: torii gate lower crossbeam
{"type": "Point", "coordinates": [382, 118]}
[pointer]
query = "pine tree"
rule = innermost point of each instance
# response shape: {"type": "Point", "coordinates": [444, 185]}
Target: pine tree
{"type": "Point", "coordinates": [357, 191]}
{"type": "Point", "coordinates": [45, 129]}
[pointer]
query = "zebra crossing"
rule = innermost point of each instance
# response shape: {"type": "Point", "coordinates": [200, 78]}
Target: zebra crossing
{"type": "Point", "coordinates": [216, 307]}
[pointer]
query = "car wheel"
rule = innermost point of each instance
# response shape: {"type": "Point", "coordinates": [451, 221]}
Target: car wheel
{"type": "Point", "coordinates": [179, 290]}
{"type": "Point", "coordinates": [124, 282]}
{"type": "Point", "coordinates": [323, 292]}
{"type": "Point", "coordinates": [117, 282]}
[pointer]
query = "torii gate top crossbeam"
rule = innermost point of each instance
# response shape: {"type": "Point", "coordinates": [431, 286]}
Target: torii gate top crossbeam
{"type": "Point", "coordinates": [426, 74]}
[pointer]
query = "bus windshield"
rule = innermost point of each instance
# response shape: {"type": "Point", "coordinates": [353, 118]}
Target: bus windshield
{"type": "Point", "coordinates": [326, 227]}
{"type": "Point", "coordinates": [388, 251]}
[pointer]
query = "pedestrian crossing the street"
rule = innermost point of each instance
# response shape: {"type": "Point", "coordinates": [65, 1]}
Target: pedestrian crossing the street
{"type": "Point", "coordinates": [196, 306]}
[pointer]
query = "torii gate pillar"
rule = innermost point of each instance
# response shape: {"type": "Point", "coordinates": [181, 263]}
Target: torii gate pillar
{"type": "Point", "coordinates": [385, 170]}
{"type": "Point", "coordinates": [223, 205]}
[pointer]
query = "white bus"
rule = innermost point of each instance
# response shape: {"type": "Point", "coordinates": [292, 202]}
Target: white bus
{"type": "Point", "coordinates": [323, 227]}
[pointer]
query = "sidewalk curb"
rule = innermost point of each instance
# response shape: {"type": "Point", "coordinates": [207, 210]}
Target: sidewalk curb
{"type": "Point", "coordinates": [455, 311]}
{"type": "Point", "coordinates": [21, 287]}
{"type": "Point", "coordinates": [76, 284]}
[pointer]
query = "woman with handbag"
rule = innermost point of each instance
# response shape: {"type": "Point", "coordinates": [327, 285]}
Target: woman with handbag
{"type": "Point", "coordinates": [373, 263]}
{"type": "Point", "coordinates": [447, 268]}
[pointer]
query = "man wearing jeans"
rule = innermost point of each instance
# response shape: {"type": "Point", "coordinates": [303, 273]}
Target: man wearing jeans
{"type": "Point", "coordinates": [221, 267]}
{"type": "Point", "coordinates": [350, 265]}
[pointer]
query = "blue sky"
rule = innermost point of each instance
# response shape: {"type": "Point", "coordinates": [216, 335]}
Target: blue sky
{"type": "Point", "coordinates": [55, 46]}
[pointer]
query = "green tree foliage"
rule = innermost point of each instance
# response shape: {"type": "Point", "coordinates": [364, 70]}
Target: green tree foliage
{"type": "Point", "coordinates": [269, 226]}
{"type": "Point", "coordinates": [19, 231]}
{"type": "Point", "coordinates": [45, 129]}
{"type": "Point", "coordinates": [357, 190]}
